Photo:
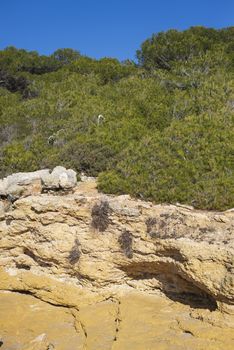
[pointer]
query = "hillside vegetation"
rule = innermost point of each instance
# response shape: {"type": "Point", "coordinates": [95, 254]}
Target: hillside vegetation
{"type": "Point", "coordinates": [166, 130]}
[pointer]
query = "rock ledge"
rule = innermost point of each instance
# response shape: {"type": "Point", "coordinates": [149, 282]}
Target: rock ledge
{"type": "Point", "coordinates": [85, 249]}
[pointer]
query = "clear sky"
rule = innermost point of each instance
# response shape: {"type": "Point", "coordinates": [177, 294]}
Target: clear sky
{"type": "Point", "coordinates": [98, 28]}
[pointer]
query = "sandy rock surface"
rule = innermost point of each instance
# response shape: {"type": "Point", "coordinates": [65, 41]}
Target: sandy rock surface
{"type": "Point", "coordinates": [117, 273]}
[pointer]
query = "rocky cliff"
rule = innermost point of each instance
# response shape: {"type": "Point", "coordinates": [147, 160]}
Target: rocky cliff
{"type": "Point", "coordinates": [83, 270]}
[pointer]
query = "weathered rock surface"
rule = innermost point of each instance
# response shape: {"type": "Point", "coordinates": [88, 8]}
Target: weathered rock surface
{"type": "Point", "coordinates": [133, 275]}
{"type": "Point", "coordinates": [24, 184]}
{"type": "Point", "coordinates": [16, 184]}
{"type": "Point", "coordinates": [60, 178]}
{"type": "Point", "coordinates": [135, 321]}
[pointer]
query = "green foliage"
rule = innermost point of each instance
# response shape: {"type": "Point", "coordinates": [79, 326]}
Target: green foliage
{"type": "Point", "coordinates": [190, 162]}
{"type": "Point", "coordinates": [165, 48]}
{"type": "Point", "coordinates": [14, 60]}
{"type": "Point", "coordinates": [66, 56]}
{"type": "Point", "coordinates": [160, 130]}
{"type": "Point", "coordinates": [106, 69]}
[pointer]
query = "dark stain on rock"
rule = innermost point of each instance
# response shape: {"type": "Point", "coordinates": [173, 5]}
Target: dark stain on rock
{"type": "Point", "coordinates": [75, 253]}
{"type": "Point", "coordinates": [125, 240]}
{"type": "Point", "coordinates": [100, 216]}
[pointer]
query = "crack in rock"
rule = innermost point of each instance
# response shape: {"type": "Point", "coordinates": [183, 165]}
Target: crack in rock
{"type": "Point", "coordinates": [117, 321]}
{"type": "Point", "coordinates": [77, 323]}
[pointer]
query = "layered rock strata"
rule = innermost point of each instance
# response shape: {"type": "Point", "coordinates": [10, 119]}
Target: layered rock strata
{"type": "Point", "coordinates": [119, 273]}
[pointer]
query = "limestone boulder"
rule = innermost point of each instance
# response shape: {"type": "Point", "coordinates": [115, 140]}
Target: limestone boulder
{"type": "Point", "coordinates": [60, 178]}
{"type": "Point", "coordinates": [25, 184]}
{"type": "Point", "coordinates": [20, 184]}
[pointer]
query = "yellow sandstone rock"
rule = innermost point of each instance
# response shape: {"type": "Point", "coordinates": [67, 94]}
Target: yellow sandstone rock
{"type": "Point", "coordinates": [90, 271]}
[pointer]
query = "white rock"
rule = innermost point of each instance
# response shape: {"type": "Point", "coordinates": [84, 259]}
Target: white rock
{"type": "Point", "coordinates": [26, 178]}
{"type": "Point", "coordinates": [3, 187]}
{"type": "Point", "coordinates": [60, 178]}
{"type": "Point", "coordinates": [2, 210]}
{"type": "Point", "coordinates": [18, 184]}
{"type": "Point", "coordinates": [15, 184]}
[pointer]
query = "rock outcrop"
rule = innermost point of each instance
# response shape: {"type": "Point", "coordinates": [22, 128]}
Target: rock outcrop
{"type": "Point", "coordinates": [17, 184]}
{"type": "Point", "coordinates": [130, 274]}
{"type": "Point", "coordinates": [24, 184]}
{"type": "Point", "coordinates": [59, 179]}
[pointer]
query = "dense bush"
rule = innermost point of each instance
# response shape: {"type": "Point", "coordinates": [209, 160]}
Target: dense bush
{"type": "Point", "coordinates": [161, 129]}
{"type": "Point", "coordinates": [165, 48]}
{"type": "Point", "coordinates": [14, 60]}
{"type": "Point", "coordinates": [193, 164]}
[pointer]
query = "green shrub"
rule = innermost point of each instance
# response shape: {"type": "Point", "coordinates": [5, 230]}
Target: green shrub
{"type": "Point", "coordinates": [166, 131]}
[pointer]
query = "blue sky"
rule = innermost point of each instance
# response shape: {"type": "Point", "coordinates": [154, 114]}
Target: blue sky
{"type": "Point", "coordinates": [113, 28]}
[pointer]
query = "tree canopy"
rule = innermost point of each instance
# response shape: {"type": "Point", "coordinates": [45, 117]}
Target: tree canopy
{"type": "Point", "coordinates": [166, 131]}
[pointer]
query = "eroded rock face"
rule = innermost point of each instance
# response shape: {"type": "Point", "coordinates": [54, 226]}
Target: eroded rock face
{"type": "Point", "coordinates": [21, 184]}
{"type": "Point", "coordinates": [25, 184]}
{"type": "Point", "coordinates": [103, 257]}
